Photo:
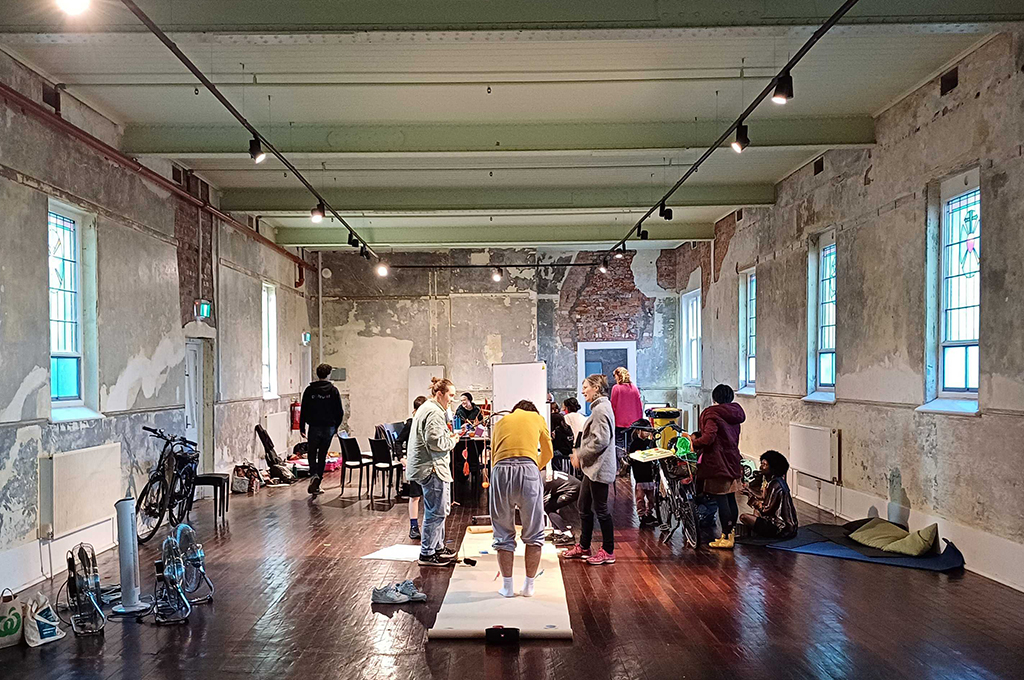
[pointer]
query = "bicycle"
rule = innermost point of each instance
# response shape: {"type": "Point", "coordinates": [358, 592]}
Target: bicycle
{"type": "Point", "coordinates": [675, 495]}
{"type": "Point", "coordinates": [170, 486]}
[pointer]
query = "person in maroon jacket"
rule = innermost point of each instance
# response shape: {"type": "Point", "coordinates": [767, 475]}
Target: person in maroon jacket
{"type": "Point", "coordinates": [717, 441]}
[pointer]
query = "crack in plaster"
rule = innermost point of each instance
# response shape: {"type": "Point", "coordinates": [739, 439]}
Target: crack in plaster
{"type": "Point", "coordinates": [37, 378]}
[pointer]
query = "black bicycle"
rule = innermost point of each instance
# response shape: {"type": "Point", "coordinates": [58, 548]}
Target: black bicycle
{"type": "Point", "coordinates": [675, 494]}
{"type": "Point", "coordinates": [170, 487]}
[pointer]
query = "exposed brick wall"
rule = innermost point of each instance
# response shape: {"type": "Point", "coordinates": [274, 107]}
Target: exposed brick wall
{"type": "Point", "coordinates": [194, 230]}
{"type": "Point", "coordinates": [725, 229]}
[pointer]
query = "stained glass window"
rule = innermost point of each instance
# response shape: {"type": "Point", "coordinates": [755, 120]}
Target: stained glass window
{"type": "Point", "coordinates": [827, 317]}
{"type": "Point", "coordinates": [961, 292]}
{"type": "Point", "coordinates": [65, 326]}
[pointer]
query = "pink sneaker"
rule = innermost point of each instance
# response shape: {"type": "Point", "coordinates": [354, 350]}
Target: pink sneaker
{"type": "Point", "coordinates": [601, 557]}
{"type": "Point", "coordinates": [577, 552]}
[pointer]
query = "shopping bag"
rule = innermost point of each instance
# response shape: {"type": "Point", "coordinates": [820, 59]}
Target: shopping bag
{"type": "Point", "coordinates": [40, 621]}
{"type": "Point", "coordinates": [11, 630]}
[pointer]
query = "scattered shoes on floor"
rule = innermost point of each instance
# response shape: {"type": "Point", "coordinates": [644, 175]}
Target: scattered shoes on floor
{"type": "Point", "coordinates": [398, 593]}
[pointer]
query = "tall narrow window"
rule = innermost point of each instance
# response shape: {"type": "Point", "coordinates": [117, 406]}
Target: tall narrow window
{"type": "Point", "coordinates": [65, 308]}
{"type": "Point", "coordinates": [691, 334]}
{"type": "Point", "coordinates": [827, 313]}
{"type": "Point", "coordinates": [961, 292]}
{"type": "Point", "coordinates": [750, 358]}
{"type": "Point", "coordinates": [269, 340]}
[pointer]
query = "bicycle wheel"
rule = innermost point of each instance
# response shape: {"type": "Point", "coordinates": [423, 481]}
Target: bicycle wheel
{"type": "Point", "coordinates": [181, 495]}
{"type": "Point", "coordinates": [149, 509]}
{"type": "Point", "coordinates": [688, 520]}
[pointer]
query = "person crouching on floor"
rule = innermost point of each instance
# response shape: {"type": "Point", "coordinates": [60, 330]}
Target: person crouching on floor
{"type": "Point", "coordinates": [643, 473]}
{"type": "Point", "coordinates": [561, 491]}
{"type": "Point", "coordinates": [431, 441]}
{"type": "Point", "coordinates": [774, 513]}
{"type": "Point", "coordinates": [516, 481]}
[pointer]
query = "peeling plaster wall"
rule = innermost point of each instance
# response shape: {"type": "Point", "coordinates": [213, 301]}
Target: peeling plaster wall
{"type": "Point", "coordinates": [965, 469]}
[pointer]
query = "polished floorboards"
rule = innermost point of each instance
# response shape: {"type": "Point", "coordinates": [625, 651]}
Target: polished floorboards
{"type": "Point", "coordinates": [293, 601]}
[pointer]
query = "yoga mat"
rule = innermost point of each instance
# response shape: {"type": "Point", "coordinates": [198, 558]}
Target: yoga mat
{"type": "Point", "coordinates": [472, 603]}
{"type": "Point", "coordinates": [951, 557]}
{"type": "Point", "coordinates": [400, 552]}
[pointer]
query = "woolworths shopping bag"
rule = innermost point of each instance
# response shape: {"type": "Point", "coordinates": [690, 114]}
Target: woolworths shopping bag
{"type": "Point", "coordinates": [40, 621]}
{"type": "Point", "coordinates": [10, 619]}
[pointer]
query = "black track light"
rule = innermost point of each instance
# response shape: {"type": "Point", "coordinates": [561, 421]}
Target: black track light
{"type": "Point", "coordinates": [643, 234]}
{"type": "Point", "coordinates": [364, 253]}
{"type": "Point", "coordinates": [352, 240]}
{"type": "Point", "coordinates": [256, 151]}
{"type": "Point", "coordinates": [742, 140]}
{"type": "Point", "coordinates": [317, 213]}
{"type": "Point", "coordinates": [497, 274]}
{"type": "Point", "coordinates": [664, 213]}
{"type": "Point", "coordinates": [783, 89]}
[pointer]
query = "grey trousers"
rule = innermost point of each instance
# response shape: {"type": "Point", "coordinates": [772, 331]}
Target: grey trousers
{"type": "Point", "coordinates": [516, 482]}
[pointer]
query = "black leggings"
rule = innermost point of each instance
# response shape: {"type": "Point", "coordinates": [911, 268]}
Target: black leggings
{"type": "Point", "coordinates": [728, 511]}
{"type": "Point", "coordinates": [594, 500]}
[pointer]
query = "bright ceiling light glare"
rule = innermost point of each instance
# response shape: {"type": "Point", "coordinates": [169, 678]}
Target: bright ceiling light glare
{"type": "Point", "coordinates": [496, 274]}
{"type": "Point", "coordinates": [382, 269]}
{"type": "Point", "coordinates": [621, 252]}
{"type": "Point", "coordinates": [73, 7]}
{"type": "Point", "coordinates": [317, 213]}
{"type": "Point", "coordinates": [742, 140]}
{"type": "Point", "coordinates": [604, 266]}
{"type": "Point", "coordinates": [783, 89]}
{"type": "Point", "coordinates": [256, 151]}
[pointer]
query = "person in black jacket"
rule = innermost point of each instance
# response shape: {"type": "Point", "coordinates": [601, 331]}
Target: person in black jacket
{"type": "Point", "coordinates": [415, 491]}
{"type": "Point", "coordinates": [561, 441]}
{"type": "Point", "coordinates": [321, 410]}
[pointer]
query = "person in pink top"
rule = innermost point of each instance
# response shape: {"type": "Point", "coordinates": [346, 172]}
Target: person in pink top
{"type": "Point", "coordinates": [626, 405]}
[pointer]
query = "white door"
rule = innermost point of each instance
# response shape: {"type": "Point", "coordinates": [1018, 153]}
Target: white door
{"type": "Point", "coordinates": [193, 389]}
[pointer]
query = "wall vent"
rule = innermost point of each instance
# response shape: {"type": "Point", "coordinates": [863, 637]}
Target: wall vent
{"type": "Point", "coordinates": [948, 81]}
{"type": "Point", "coordinates": [819, 165]}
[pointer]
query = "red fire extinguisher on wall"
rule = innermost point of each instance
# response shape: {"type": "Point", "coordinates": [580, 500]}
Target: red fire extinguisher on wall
{"type": "Point", "coordinates": [296, 413]}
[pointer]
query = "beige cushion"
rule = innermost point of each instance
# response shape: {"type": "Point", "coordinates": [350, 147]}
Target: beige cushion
{"type": "Point", "coordinates": [917, 543]}
{"type": "Point", "coordinates": [878, 533]}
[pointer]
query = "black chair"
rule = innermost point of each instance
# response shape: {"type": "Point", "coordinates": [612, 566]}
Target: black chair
{"type": "Point", "coordinates": [221, 484]}
{"type": "Point", "coordinates": [351, 459]}
{"type": "Point", "coordinates": [383, 464]}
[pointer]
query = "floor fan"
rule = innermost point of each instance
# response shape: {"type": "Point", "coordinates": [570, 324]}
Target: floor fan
{"type": "Point", "coordinates": [171, 604]}
{"type": "Point", "coordinates": [84, 595]}
{"type": "Point", "coordinates": [194, 559]}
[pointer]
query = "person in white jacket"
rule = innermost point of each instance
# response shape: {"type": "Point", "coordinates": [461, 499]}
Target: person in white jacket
{"type": "Point", "coordinates": [429, 464]}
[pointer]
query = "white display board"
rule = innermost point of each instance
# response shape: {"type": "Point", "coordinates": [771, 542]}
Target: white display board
{"type": "Point", "coordinates": [419, 381]}
{"type": "Point", "coordinates": [514, 382]}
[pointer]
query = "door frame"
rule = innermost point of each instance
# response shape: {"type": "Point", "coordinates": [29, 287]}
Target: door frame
{"type": "Point", "coordinates": [581, 359]}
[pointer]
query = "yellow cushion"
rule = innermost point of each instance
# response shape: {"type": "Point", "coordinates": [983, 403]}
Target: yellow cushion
{"type": "Point", "coordinates": [915, 544]}
{"type": "Point", "coordinates": [878, 534]}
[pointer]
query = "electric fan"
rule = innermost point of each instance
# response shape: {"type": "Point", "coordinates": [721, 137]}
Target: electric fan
{"type": "Point", "coordinates": [194, 559]}
{"type": "Point", "coordinates": [84, 594]}
{"type": "Point", "coordinates": [171, 606]}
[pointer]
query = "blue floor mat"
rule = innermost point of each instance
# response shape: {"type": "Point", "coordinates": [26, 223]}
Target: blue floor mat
{"type": "Point", "coordinates": [950, 558]}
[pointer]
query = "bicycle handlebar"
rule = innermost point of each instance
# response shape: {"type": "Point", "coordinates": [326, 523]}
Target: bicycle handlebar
{"type": "Point", "coordinates": [169, 437]}
{"type": "Point", "coordinates": [150, 429]}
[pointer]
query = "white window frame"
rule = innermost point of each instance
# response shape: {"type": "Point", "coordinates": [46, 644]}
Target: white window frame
{"type": "Point", "coordinates": [826, 241]}
{"type": "Point", "coordinates": [268, 339]}
{"type": "Point", "coordinates": [747, 311]}
{"type": "Point", "coordinates": [690, 338]}
{"type": "Point", "coordinates": [77, 219]}
{"type": "Point", "coordinates": [951, 190]}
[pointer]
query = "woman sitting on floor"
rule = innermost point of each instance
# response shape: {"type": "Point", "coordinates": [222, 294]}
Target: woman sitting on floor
{"type": "Point", "coordinates": [775, 514]}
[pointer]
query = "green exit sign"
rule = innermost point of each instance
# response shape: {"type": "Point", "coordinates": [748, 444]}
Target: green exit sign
{"type": "Point", "coordinates": [203, 309]}
{"type": "Point", "coordinates": [306, 337]}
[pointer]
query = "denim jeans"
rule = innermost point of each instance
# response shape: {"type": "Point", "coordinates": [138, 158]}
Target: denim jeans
{"type": "Point", "coordinates": [436, 506]}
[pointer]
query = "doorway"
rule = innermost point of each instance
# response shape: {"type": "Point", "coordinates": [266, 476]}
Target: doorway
{"type": "Point", "coordinates": [199, 384]}
{"type": "Point", "coordinates": [603, 358]}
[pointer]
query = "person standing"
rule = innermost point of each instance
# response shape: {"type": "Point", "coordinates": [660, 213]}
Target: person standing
{"type": "Point", "coordinates": [574, 417]}
{"type": "Point", "coordinates": [415, 491]}
{"type": "Point", "coordinates": [562, 441]}
{"type": "Point", "coordinates": [596, 457]}
{"type": "Point", "coordinates": [717, 440]}
{"type": "Point", "coordinates": [516, 481]}
{"type": "Point", "coordinates": [431, 441]}
{"type": "Point", "coordinates": [626, 404]}
{"type": "Point", "coordinates": [321, 410]}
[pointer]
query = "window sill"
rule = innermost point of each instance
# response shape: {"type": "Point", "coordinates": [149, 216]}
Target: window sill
{"type": "Point", "coordinates": [952, 407]}
{"type": "Point", "coordinates": [270, 397]}
{"type": "Point", "coordinates": [747, 392]}
{"type": "Point", "coordinates": [820, 397]}
{"type": "Point", "coordinates": [70, 414]}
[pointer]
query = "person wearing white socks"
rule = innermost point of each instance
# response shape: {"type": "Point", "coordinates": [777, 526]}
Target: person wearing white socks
{"type": "Point", "coordinates": [521, 448]}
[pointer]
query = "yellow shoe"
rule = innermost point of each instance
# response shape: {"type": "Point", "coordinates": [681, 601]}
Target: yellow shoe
{"type": "Point", "coordinates": [725, 542]}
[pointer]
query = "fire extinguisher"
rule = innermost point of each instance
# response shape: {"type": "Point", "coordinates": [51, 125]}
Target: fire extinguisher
{"type": "Point", "coordinates": [296, 413]}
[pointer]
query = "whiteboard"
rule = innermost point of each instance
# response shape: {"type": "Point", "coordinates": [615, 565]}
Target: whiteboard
{"type": "Point", "coordinates": [419, 381]}
{"type": "Point", "coordinates": [514, 382]}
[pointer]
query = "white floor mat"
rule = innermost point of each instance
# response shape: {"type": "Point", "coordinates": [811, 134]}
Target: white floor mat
{"type": "Point", "coordinates": [400, 552]}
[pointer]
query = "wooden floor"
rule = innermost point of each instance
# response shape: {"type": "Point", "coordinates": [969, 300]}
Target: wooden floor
{"type": "Point", "coordinates": [293, 602]}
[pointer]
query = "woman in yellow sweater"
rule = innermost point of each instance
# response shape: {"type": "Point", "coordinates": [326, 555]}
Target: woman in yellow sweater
{"type": "Point", "coordinates": [520, 449]}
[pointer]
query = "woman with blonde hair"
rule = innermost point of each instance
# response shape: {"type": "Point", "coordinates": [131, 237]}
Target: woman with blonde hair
{"type": "Point", "coordinates": [596, 457]}
{"type": "Point", "coordinates": [626, 405]}
{"type": "Point", "coordinates": [429, 464]}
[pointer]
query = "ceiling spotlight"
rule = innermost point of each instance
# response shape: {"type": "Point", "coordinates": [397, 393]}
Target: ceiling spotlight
{"type": "Point", "coordinates": [256, 151]}
{"type": "Point", "coordinates": [497, 274]}
{"type": "Point", "coordinates": [352, 240]}
{"type": "Point", "coordinates": [73, 7]}
{"type": "Point", "coordinates": [644, 235]}
{"type": "Point", "coordinates": [620, 252]}
{"type": "Point", "coordinates": [742, 141]}
{"type": "Point", "coordinates": [664, 213]}
{"type": "Point", "coordinates": [783, 89]}
{"type": "Point", "coordinates": [604, 266]}
{"type": "Point", "coordinates": [317, 213]}
{"type": "Point", "coordinates": [382, 269]}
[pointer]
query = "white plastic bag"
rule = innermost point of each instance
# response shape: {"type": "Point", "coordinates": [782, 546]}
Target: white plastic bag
{"type": "Point", "coordinates": [10, 619]}
{"type": "Point", "coordinates": [40, 621]}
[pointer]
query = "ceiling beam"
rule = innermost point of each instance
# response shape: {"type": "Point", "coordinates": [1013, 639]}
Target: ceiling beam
{"type": "Point", "coordinates": [261, 201]}
{"type": "Point", "coordinates": [176, 141]}
{"type": "Point", "coordinates": [664, 234]}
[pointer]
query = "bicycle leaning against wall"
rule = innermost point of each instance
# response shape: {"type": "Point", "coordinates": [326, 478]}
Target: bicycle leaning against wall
{"type": "Point", "coordinates": [170, 486]}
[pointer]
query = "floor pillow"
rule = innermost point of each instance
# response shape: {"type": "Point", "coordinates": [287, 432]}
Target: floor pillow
{"type": "Point", "coordinates": [878, 533]}
{"type": "Point", "coordinates": [916, 543]}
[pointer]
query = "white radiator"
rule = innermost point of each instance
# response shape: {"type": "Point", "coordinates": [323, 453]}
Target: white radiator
{"type": "Point", "coordinates": [276, 425]}
{"type": "Point", "coordinates": [78, 488]}
{"type": "Point", "coordinates": [815, 451]}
